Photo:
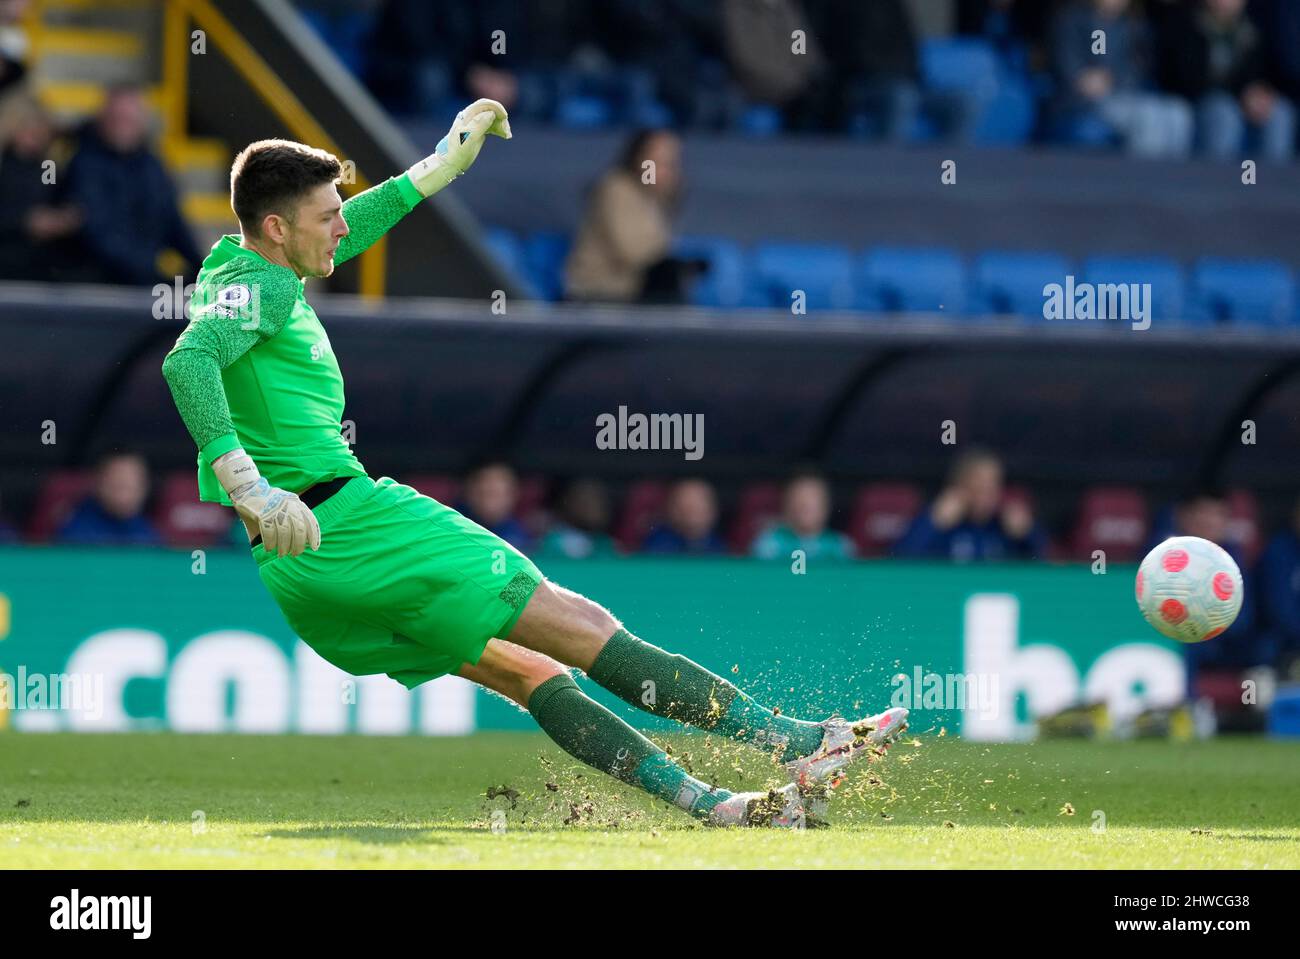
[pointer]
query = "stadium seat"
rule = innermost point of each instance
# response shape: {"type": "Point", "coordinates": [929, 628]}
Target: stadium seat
{"type": "Point", "coordinates": [532, 500]}
{"type": "Point", "coordinates": [544, 256]}
{"type": "Point", "coordinates": [596, 98]}
{"type": "Point", "coordinates": [881, 514]}
{"type": "Point", "coordinates": [445, 489]}
{"type": "Point", "coordinates": [506, 247]}
{"type": "Point", "coordinates": [895, 279]}
{"type": "Point", "coordinates": [960, 63]}
{"type": "Point", "coordinates": [347, 32]}
{"type": "Point", "coordinates": [183, 520]}
{"type": "Point", "coordinates": [1084, 129]}
{"type": "Point", "coordinates": [1013, 282]}
{"type": "Point", "coordinates": [1021, 495]}
{"type": "Point", "coordinates": [1114, 519]}
{"type": "Point", "coordinates": [759, 505]}
{"type": "Point", "coordinates": [759, 120]}
{"type": "Point", "coordinates": [579, 111]}
{"type": "Point", "coordinates": [1009, 119]}
{"type": "Point", "coordinates": [1168, 284]}
{"type": "Point", "coordinates": [536, 95]}
{"type": "Point", "coordinates": [972, 66]}
{"type": "Point", "coordinates": [1243, 291]}
{"type": "Point", "coordinates": [58, 497]}
{"type": "Point", "coordinates": [823, 272]}
{"type": "Point", "coordinates": [1244, 524]}
{"type": "Point", "coordinates": [641, 507]}
{"type": "Point", "coordinates": [724, 283]}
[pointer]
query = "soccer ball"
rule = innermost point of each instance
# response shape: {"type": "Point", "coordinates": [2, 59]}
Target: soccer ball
{"type": "Point", "coordinates": [1189, 589]}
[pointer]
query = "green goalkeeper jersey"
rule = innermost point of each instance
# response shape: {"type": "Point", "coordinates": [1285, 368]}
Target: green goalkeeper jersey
{"type": "Point", "coordinates": [254, 367]}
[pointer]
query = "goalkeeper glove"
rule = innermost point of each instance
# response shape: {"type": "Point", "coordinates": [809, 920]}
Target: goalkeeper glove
{"type": "Point", "coordinates": [457, 151]}
{"type": "Point", "coordinates": [287, 525]}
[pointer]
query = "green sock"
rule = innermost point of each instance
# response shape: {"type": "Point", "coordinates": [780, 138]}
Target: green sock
{"type": "Point", "coordinates": [677, 688]}
{"type": "Point", "coordinates": [590, 733]}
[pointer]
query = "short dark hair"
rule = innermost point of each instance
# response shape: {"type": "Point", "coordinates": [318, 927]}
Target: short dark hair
{"type": "Point", "coordinates": [270, 176]}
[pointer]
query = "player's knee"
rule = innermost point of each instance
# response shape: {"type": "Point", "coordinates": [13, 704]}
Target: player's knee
{"type": "Point", "coordinates": [595, 618]}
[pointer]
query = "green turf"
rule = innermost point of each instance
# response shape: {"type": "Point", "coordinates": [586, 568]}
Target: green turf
{"type": "Point", "coordinates": [167, 801]}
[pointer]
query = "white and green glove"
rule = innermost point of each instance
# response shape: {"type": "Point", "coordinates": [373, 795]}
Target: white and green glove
{"type": "Point", "coordinates": [457, 151]}
{"type": "Point", "coordinates": [286, 523]}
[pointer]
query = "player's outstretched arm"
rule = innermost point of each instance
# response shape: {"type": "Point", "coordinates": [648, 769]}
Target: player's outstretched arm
{"type": "Point", "coordinates": [371, 214]}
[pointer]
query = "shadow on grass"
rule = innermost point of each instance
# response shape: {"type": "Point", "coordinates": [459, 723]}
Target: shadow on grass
{"type": "Point", "coordinates": [1256, 837]}
{"type": "Point", "coordinates": [435, 835]}
{"type": "Point", "coordinates": [375, 835]}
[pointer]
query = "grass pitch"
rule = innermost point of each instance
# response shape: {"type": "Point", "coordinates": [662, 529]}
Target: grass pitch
{"type": "Point", "coordinates": [506, 800]}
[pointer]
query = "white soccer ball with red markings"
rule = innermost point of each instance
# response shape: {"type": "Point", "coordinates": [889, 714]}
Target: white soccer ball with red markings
{"type": "Point", "coordinates": [1189, 589]}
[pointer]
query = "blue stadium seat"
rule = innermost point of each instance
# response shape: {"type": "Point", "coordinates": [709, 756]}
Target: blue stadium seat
{"type": "Point", "coordinates": [960, 63]}
{"type": "Point", "coordinates": [1084, 129]}
{"type": "Point", "coordinates": [894, 279]}
{"type": "Point", "coordinates": [505, 246]}
{"type": "Point", "coordinates": [725, 283]}
{"type": "Point", "coordinates": [596, 98]}
{"type": "Point", "coordinates": [1168, 283]}
{"type": "Point", "coordinates": [346, 32]}
{"type": "Point", "coordinates": [544, 254]}
{"type": "Point", "coordinates": [824, 272]}
{"type": "Point", "coordinates": [759, 120]}
{"type": "Point", "coordinates": [537, 95]}
{"type": "Point", "coordinates": [972, 66]}
{"type": "Point", "coordinates": [1243, 291]}
{"type": "Point", "coordinates": [1014, 282]}
{"type": "Point", "coordinates": [1009, 119]}
{"type": "Point", "coordinates": [583, 111]}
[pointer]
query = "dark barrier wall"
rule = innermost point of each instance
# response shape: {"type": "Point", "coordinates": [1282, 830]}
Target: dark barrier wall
{"type": "Point", "coordinates": [433, 384]}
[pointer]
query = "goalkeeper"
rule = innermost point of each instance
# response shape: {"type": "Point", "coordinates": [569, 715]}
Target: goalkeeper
{"type": "Point", "coordinates": [378, 578]}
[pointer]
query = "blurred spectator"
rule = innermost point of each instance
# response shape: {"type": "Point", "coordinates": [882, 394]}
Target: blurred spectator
{"type": "Point", "coordinates": [1215, 56]}
{"type": "Point", "coordinates": [972, 519]}
{"type": "Point", "coordinates": [1112, 88]}
{"type": "Point", "coordinates": [1279, 597]}
{"type": "Point", "coordinates": [691, 515]}
{"type": "Point", "coordinates": [582, 523]}
{"type": "Point", "coordinates": [621, 250]}
{"type": "Point", "coordinates": [1279, 21]}
{"type": "Point", "coordinates": [759, 45]}
{"type": "Point", "coordinates": [875, 65]}
{"type": "Point", "coordinates": [490, 499]}
{"type": "Point", "coordinates": [805, 511]}
{"type": "Point", "coordinates": [130, 207]}
{"type": "Point", "coordinates": [13, 45]}
{"type": "Point", "coordinates": [37, 228]}
{"type": "Point", "coordinates": [114, 514]}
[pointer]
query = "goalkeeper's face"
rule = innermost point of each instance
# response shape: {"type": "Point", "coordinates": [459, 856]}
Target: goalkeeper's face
{"type": "Point", "coordinates": [313, 235]}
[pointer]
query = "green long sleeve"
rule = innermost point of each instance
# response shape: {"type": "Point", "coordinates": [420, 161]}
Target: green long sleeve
{"type": "Point", "coordinates": [371, 214]}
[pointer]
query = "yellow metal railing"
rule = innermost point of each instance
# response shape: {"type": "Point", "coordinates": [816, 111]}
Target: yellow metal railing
{"type": "Point", "coordinates": [269, 87]}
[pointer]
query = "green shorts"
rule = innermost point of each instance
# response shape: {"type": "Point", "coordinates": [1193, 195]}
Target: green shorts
{"type": "Point", "coordinates": [401, 584]}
